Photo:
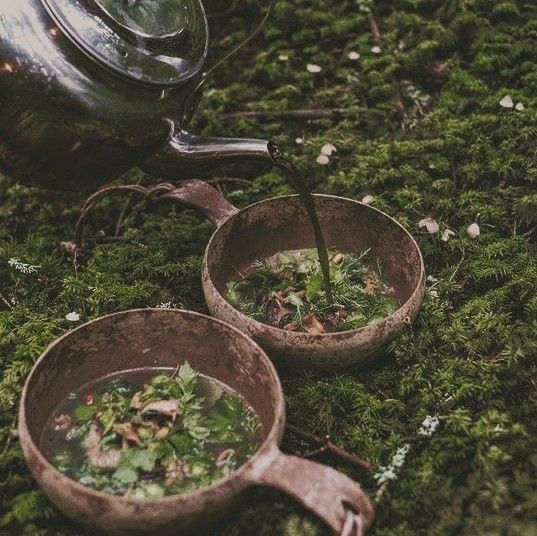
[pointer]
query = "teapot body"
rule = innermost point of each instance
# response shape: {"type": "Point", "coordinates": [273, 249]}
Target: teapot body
{"type": "Point", "coordinates": [67, 122]}
{"type": "Point", "coordinates": [91, 88]}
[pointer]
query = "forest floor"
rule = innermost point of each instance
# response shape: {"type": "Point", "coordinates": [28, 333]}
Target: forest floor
{"type": "Point", "coordinates": [436, 117]}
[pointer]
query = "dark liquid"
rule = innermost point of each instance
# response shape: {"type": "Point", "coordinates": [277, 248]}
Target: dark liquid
{"type": "Point", "coordinates": [302, 188]}
{"type": "Point", "coordinates": [54, 442]}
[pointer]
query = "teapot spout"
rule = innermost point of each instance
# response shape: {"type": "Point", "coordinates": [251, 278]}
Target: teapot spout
{"type": "Point", "coordinates": [187, 155]}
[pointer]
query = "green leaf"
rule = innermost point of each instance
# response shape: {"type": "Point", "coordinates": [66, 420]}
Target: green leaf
{"type": "Point", "coordinates": [107, 420]}
{"type": "Point", "coordinates": [142, 458]}
{"type": "Point", "coordinates": [295, 299]}
{"type": "Point", "coordinates": [210, 391]}
{"type": "Point", "coordinates": [314, 285]}
{"type": "Point", "coordinates": [186, 373]}
{"type": "Point", "coordinates": [283, 260]}
{"type": "Point", "coordinates": [83, 413]}
{"type": "Point", "coordinates": [126, 474]}
{"type": "Point", "coordinates": [132, 461]}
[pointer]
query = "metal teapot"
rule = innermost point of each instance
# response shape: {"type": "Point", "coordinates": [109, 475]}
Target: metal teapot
{"type": "Point", "coordinates": [91, 88]}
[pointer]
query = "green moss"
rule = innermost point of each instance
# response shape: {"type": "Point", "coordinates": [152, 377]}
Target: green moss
{"type": "Point", "coordinates": [426, 135]}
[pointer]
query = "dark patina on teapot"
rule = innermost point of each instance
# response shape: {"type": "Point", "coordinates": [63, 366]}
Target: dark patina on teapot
{"type": "Point", "coordinates": [91, 88]}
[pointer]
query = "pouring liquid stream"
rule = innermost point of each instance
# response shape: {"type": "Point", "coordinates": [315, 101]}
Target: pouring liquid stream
{"type": "Point", "coordinates": [301, 186]}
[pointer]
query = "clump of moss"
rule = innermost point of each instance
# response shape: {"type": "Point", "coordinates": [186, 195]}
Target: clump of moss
{"type": "Point", "coordinates": [424, 134]}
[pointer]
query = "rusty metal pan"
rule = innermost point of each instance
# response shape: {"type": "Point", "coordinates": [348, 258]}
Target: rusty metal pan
{"type": "Point", "coordinates": [166, 338]}
{"type": "Point", "coordinates": [279, 224]}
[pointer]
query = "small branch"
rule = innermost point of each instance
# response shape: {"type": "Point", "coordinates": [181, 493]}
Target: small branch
{"type": "Point", "coordinates": [220, 180]}
{"type": "Point", "coordinates": [306, 113]}
{"type": "Point", "coordinates": [457, 268]}
{"type": "Point", "coordinates": [6, 301]}
{"type": "Point", "coordinates": [374, 27]}
{"type": "Point", "coordinates": [316, 452]}
{"type": "Point", "coordinates": [121, 218]}
{"type": "Point", "coordinates": [325, 445]}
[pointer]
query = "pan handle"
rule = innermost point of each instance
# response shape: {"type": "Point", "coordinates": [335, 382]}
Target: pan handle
{"type": "Point", "coordinates": [203, 196]}
{"type": "Point", "coordinates": [329, 494]}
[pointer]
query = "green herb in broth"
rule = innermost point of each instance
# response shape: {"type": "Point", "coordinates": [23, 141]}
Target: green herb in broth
{"type": "Point", "coordinates": [149, 436]}
{"type": "Point", "coordinates": [286, 291]}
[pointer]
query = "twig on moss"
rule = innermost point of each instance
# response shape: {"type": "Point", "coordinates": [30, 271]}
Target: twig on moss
{"type": "Point", "coordinates": [6, 301]}
{"type": "Point", "coordinates": [304, 113]}
{"type": "Point", "coordinates": [325, 445]}
{"type": "Point", "coordinates": [121, 218]}
{"type": "Point", "coordinates": [457, 268]}
{"type": "Point", "coordinates": [374, 27]}
{"type": "Point", "coordinates": [91, 201]}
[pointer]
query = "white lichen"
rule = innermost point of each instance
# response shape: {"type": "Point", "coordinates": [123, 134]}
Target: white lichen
{"type": "Point", "coordinates": [322, 160]}
{"type": "Point", "coordinates": [22, 267]}
{"type": "Point", "coordinates": [473, 231]}
{"type": "Point", "coordinates": [328, 149]}
{"type": "Point", "coordinates": [446, 234]}
{"type": "Point", "coordinates": [72, 317]}
{"type": "Point", "coordinates": [507, 102]}
{"type": "Point", "coordinates": [429, 425]}
{"type": "Point", "coordinates": [430, 224]}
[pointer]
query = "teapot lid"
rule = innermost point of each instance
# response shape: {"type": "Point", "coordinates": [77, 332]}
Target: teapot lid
{"type": "Point", "coordinates": [154, 41]}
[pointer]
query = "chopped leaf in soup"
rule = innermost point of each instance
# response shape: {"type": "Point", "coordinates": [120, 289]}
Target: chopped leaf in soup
{"type": "Point", "coordinates": [149, 433]}
{"type": "Point", "coordinates": [287, 291]}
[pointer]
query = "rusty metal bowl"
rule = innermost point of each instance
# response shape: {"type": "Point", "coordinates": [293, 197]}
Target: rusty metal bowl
{"type": "Point", "coordinates": [280, 224]}
{"type": "Point", "coordinates": [166, 338]}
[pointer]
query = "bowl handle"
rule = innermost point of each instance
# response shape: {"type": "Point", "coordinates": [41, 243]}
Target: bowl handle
{"type": "Point", "coordinates": [332, 496]}
{"type": "Point", "coordinates": [203, 196]}
{"type": "Point", "coordinates": [195, 193]}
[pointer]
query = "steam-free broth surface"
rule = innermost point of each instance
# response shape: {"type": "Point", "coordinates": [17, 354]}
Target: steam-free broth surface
{"type": "Point", "coordinates": [151, 432]}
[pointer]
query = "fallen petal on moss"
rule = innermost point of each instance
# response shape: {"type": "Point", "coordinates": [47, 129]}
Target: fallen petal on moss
{"type": "Point", "coordinates": [473, 231]}
{"type": "Point", "coordinates": [430, 224]}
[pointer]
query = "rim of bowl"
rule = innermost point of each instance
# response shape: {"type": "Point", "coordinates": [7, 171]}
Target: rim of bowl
{"type": "Point", "coordinates": [271, 440]}
{"type": "Point", "coordinates": [337, 334]}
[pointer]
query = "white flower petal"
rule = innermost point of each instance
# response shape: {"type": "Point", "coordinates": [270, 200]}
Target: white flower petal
{"type": "Point", "coordinates": [283, 57]}
{"type": "Point", "coordinates": [430, 224]}
{"type": "Point", "coordinates": [446, 234]}
{"type": "Point", "coordinates": [473, 230]}
{"type": "Point", "coordinates": [429, 426]}
{"type": "Point", "coordinates": [323, 160]}
{"type": "Point", "coordinates": [352, 55]}
{"type": "Point", "coordinates": [368, 199]}
{"type": "Point", "coordinates": [328, 149]}
{"type": "Point", "coordinates": [376, 49]}
{"type": "Point", "coordinates": [313, 68]}
{"type": "Point", "coordinates": [519, 107]}
{"type": "Point", "coordinates": [72, 317]}
{"type": "Point", "coordinates": [299, 141]}
{"type": "Point", "coordinates": [507, 102]}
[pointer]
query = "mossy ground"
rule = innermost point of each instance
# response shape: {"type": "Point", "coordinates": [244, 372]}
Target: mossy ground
{"type": "Point", "coordinates": [425, 134]}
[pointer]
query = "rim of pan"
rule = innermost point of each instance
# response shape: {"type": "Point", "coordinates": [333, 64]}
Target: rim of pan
{"type": "Point", "coordinates": [272, 437]}
{"type": "Point", "coordinates": [338, 334]}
